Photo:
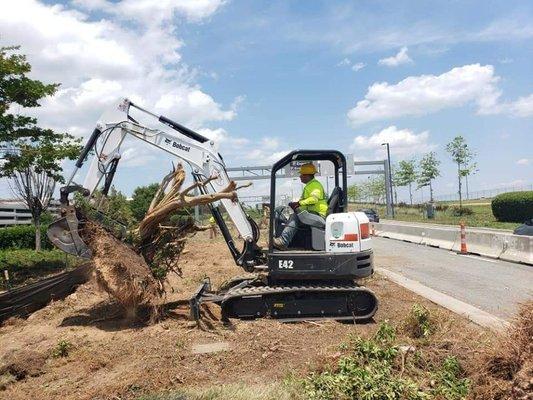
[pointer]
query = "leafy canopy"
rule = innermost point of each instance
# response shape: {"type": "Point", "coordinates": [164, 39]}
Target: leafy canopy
{"type": "Point", "coordinates": [429, 169]}
{"type": "Point", "coordinates": [26, 145]}
{"type": "Point", "coordinates": [406, 173]}
{"type": "Point", "coordinates": [141, 199]}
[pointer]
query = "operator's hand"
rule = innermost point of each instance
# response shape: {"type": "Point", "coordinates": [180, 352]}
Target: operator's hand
{"type": "Point", "coordinates": [294, 205]}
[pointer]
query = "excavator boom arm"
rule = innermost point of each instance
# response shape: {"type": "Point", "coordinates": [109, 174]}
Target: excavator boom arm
{"type": "Point", "coordinates": [198, 151]}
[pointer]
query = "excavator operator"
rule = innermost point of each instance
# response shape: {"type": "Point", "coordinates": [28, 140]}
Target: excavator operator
{"type": "Point", "coordinates": [313, 200]}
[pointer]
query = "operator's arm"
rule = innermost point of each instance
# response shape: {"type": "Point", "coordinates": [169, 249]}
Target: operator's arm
{"type": "Point", "coordinates": [311, 199]}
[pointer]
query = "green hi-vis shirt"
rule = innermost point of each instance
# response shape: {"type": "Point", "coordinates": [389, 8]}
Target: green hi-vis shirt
{"type": "Point", "coordinates": [314, 199]}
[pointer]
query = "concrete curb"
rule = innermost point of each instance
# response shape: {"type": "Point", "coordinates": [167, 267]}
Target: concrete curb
{"type": "Point", "coordinates": [474, 314]}
{"type": "Point", "coordinates": [501, 245]}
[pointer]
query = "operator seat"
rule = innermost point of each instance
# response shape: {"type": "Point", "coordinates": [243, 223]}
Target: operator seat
{"type": "Point", "coordinates": [318, 223]}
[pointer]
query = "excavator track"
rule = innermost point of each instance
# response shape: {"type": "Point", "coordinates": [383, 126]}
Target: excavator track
{"type": "Point", "coordinates": [298, 303]}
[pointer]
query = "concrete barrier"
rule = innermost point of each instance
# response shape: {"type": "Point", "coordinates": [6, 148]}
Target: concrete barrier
{"type": "Point", "coordinates": [490, 243]}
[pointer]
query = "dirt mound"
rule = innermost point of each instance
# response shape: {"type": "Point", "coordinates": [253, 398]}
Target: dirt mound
{"type": "Point", "coordinates": [506, 371]}
{"type": "Point", "coordinates": [121, 272]}
{"type": "Point", "coordinates": [22, 363]}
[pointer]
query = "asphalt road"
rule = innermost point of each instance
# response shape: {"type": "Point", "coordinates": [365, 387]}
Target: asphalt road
{"type": "Point", "coordinates": [494, 286]}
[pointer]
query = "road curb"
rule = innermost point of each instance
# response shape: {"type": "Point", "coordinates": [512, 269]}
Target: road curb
{"type": "Point", "coordinates": [474, 314]}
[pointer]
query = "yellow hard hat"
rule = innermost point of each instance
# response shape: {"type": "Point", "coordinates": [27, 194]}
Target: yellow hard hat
{"type": "Point", "coordinates": [308, 169]}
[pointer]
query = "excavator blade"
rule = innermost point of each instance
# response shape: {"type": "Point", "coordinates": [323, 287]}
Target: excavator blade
{"type": "Point", "coordinates": [64, 234]}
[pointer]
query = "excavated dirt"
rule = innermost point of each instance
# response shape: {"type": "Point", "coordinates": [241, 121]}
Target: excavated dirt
{"type": "Point", "coordinates": [113, 358]}
{"type": "Point", "coordinates": [121, 272]}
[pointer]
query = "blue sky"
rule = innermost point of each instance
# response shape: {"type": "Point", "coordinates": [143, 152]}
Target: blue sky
{"type": "Point", "coordinates": [267, 77]}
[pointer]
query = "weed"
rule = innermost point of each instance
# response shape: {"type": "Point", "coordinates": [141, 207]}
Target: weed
{"type": "Point", "coordinates": [418, 323]}
{"type": "Point", "coordinates": [448, 381]}
{"type": "Point", "coordinates": [61, 349]}
{"type": "Point", "coordinates": [377, 369]}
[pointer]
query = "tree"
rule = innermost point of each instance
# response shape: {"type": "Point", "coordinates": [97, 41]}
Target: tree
{"type": "Point", "coordinates": [461, 155]}
{"type": "Point", "coordinates": [374, 189]}
{"type": "Point", "coordinates": [406, 175]}
{"type": "Point", "coordinates": [115, 206]}
{"type": "Point", "coordinates": [429, 170]}
{"type": "Point", "coordinates": [33, 155]}
{"type": "Point", "coordinates": [354, 193]}
{"type": "Point", "coordinates": [470, 169]}
{"type": "Point", "coordinates": [141, 199]}
{"type": "Point", "coordinates": [394, 177]}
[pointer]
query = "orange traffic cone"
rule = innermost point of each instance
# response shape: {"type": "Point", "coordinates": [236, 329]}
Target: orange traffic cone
{"type": "Point", "coordinates": [463, 239]}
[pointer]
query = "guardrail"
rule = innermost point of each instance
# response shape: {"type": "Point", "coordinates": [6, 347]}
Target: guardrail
{"type": "Point", "coordinates": [501, 245]}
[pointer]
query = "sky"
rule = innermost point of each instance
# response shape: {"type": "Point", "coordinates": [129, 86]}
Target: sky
{"type": "Point", "coordinates": [265, 77]}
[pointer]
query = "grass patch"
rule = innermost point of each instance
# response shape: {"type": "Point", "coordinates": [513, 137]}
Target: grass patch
{"type": "Point", "coordinates": [25, 265]}
{"type": "Point", "coordinates": [479, 215]}
{"type": "Point", "coordinates": [284, 391]}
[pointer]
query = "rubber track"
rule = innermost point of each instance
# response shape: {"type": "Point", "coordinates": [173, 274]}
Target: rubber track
{"type": "Point", "coordinates": [267, 290]}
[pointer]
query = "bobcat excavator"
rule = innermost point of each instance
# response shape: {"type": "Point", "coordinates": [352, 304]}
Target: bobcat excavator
{"type": "Point", "coordinates": [314, 278]}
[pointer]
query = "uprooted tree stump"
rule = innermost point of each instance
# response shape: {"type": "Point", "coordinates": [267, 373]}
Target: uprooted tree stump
{"type": "Point", "coordinates": [134, 275]}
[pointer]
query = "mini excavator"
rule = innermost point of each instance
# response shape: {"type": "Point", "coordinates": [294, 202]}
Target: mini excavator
{"type": "Point", "coordinates": [314, 278]}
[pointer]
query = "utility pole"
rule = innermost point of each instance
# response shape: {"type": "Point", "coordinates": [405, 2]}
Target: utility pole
{"type": "Point", "coordinates": [390, 177]}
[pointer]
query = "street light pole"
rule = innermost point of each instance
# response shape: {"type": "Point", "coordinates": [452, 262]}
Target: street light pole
{"type": "Point", "coordinates": [390, 178]}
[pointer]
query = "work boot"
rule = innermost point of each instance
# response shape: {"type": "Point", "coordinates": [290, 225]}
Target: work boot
{"type": "Point", "coordinates": [279, 244]}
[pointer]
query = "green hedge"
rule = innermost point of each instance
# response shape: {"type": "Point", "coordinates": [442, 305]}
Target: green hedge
{"type": "Point", "coordinates": [513, 206]}
{"type": "Point", "coordinates": [30, 264]}
{"type": "Point", "coordinates": [22, 237]}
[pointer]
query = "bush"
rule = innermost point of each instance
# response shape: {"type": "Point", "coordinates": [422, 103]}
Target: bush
{"type": "Point", "coordinates": [28, 264]}
{"type": "Point", "coordinates": [419, 323]}
{"type": "Point", "coordinates": [441, 207]}
{"type": "Point", "coordinates": [460, 212]}
{"type": "Point", "coordinates": [513, 207]}
{"type": "Point", "coordinates": [22, 237]}
{"type": "Point", "coordinates": [378, 368]}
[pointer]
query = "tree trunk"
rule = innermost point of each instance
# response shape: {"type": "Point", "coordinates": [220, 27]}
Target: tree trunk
{"type": "Point", "coordinates": [410, 194]}
{"type": "Point", "coordinates": [460, 192]}
{"type": "Point", "coordinates": [430, 192]}
{"type": "Point", "coordinates": [37, 223]}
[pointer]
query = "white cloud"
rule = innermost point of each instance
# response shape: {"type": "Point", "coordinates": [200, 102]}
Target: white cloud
{"type": "Point", "coordinates": [267, 152]}
{"type": "Point", "coordinates": [344, 62]}
{"type": "Point", "coordinates": [424, 94]}
{"type": "Point", "coordinates": [358, 66]}
{"type": "Point", "coordinates": [523, 107]}
{"type": "Point", "coordinates": [158, 10]}
{"type": "Point", "coordinates": [400, 58]}
{"type": "Point", "coordinates": [99, 60]}
{"type": "Point", "coordinates": [523, 161]}
{"type": "Point", "coordinates": [403, 143]}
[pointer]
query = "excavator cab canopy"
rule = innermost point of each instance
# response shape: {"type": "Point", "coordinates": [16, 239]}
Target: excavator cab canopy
{"type": "Point", "coordinates": [338, 200]}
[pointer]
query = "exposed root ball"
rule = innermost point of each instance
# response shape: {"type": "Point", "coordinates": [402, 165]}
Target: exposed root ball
{"type": "Point", "coordinates": [121, 272]}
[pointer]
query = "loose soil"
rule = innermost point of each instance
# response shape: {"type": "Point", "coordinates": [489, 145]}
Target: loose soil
{"type": "Point", "coordinates": [121, 272]}
{"type": "Point", "coordinates": [110, 357]}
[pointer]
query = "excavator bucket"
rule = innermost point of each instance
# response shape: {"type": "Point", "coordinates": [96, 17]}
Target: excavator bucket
{"type": "Point", "coordinates": [64, 234]}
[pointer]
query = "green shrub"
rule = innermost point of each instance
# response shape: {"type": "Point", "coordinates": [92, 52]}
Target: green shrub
{"type": "Point", "coordinates": [449, 381]}
{"type": "Point", "coordinates": [513, 207]}
{"type": "Point", "coordinates": [30, 264]}
{"type": "Point", "coordinates": [22, 237]}
{"type": "Point", "coordinates": [461, 211]}
{"type": "Point", "coordinates": [378, 368]}
{"type": "Point", "coordinates": [419, 323]}
{"type": "Point", "coordinates": [61, 349]}
{"type": "Point", "coordinates": [441, 207]}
